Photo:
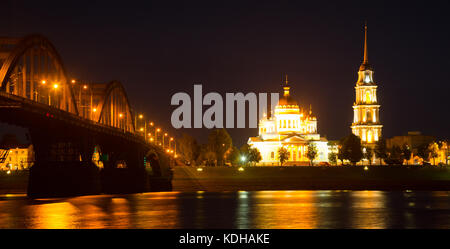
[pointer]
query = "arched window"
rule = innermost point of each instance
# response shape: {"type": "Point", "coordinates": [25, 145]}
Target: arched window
{"type": "Point", "coordinates": [369, 136]}
{"type": "Point", "coordinates": [369, 116]}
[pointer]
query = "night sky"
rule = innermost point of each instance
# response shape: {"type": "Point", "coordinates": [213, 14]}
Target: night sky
{"type": "Point", "coordinates": [158, 49]}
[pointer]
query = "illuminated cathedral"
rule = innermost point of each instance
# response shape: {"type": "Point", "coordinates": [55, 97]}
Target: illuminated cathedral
{"type": "Point", "coordinates": [366, 122]}
{"type": "Point", "coordinates": [291, 128]}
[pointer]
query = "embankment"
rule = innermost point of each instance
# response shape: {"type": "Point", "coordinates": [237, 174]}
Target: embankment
{"type": "Point", "coordinates": [311, 178]}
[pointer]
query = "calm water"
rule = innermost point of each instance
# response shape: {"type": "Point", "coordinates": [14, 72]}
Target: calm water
{"type": "Point", "coordinates": [260, 209]}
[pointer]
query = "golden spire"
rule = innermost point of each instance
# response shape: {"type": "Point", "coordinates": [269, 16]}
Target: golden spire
{"type": "Point", "coordinates": [310, 109]}
{"type": "Point", "coordinates": [365, 65]}
{"type": "Point", "coordinates": [366, 58]}
{"type": "Point", "coordinates": [286, 87]}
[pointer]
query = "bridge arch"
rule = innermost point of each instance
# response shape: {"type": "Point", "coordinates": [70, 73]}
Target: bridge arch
{"type": "Point", "coordinates": [115, 107]}
{"type": "Point", "coordinates": [32, 68]}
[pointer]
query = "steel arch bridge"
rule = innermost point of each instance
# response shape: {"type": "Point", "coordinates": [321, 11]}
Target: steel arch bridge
{"type": "Point", "coordinates": [67, 120]}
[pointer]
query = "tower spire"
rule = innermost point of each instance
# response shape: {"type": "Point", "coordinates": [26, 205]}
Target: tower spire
{"type": "Point", "coordinates": [286, 87]}
{"type": "Point", "coordinates": [365, 65]}
{"type": "Point", "coordinates": [366, 58]}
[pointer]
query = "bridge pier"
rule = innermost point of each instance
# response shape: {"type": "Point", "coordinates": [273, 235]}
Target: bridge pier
{"type": "Point", "coordinates": [124, 171]}
{"type": "Point", "coordinates": [62, 166]}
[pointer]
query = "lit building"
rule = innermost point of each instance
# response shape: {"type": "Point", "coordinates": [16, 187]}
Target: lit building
{"type": "Point", "coordinates": [291, 128]}
{"type": "Point", "coordinates": [17, 158]}
{"type": "Point", "coordinates": [366, 122]}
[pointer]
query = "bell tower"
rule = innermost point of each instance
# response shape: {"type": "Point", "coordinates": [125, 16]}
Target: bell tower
{"type": "Point", "coordinates": [366, 122]}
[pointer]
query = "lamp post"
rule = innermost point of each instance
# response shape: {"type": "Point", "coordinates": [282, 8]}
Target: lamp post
{"type": "Point", "coordinates": [151, 125]}
{"type": "Point", "coordinates": [156, 135]}
{"type": "Point", "coordinates": [165, 135]}
{"type": "Point", "coordinates": [55, 87]}
{"type": "Point", "coordinates": [86, 108]}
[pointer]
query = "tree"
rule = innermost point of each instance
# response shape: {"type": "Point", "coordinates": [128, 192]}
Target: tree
{"type": "Point", "coordinates": [207, 156]}
{"type": "Point", "coordinates": [283, 155]}
{"type": "Point", "coordinates": [423, 151]}
{"type": "Point", "coordinates": [254, 156]}
{"type": "Point", "coordinates": [340, 154]}
{"type": "Point", "coordinates": [312, 152]}
{"type": "Point", "coordinates": [381, 150]}
{"type": "Point", "coordinates": [394, 155]}
{"type": "Point", "coordinates": [332, 157]}
{"type": "Point", "coordinates": [443, 146]}
{"type": "Point", "coordinates": [434, 152]}
{"type": "Point", "coordinates": [189, 148]}
{"type": "Point", "coordinates": [406, 153]}
{"type": "Point", "coordinates": [368, 154]}
{"type": "Point", "coordinates": [351, 149]}
{"type": "Point", "coordinates": [234, 156]}
{"type": "Point", "coordinates": [219, 141]}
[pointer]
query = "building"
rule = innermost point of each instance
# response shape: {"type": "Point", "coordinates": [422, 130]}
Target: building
{"type": "Point", "coordinates": [291, 128]}
{"type": "Point", "coordinates": [366, 122]}
{"type": "Point", "coordinates": [415, 139]}
{"type": "Point", "coordinates": [19, 157]}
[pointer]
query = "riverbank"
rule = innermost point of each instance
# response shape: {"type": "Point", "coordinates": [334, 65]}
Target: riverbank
{"type": "Point", "coordinates": [311, 178]}
{"type": "Point", "coordinates": [216, 179]}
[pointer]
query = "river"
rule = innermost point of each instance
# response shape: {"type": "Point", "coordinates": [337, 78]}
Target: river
{"type": "Point", "coordinates": [254, 209]}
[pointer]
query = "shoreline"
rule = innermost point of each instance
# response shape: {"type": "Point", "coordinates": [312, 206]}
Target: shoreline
{"type": "Point", "coordinates": [218, 179]}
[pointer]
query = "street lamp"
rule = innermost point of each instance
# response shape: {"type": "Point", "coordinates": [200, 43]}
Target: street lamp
{"type": "Point", "coordinates": [156, 134]}
{"type": "Point", "coordinates": [55, 87]}
{"type": "Point", "coordinates": [165, 135]}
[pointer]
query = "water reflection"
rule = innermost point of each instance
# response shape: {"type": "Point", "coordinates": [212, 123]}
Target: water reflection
{"type": "Point", "coordinates": [260, 209]}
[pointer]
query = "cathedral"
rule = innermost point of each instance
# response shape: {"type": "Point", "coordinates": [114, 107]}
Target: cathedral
{"type": "Point", "coordinates": [366, 121]}
{"type": "Point", "coordinates": [291, 128]}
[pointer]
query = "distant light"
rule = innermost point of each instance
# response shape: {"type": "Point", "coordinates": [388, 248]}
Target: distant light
{"type": "Point", "coordinates": [141, 116]}
{"type": "Point", "coordinates": [94, 110]}
{"type": "Point", "coordinates": [55, 86]}
{"type": "Point", "coordinates": [241, 169]}
{"type": "Point", "coordinates": [120, 115]}
{"type": "Point", "coordinates": [43, 82]}
{"type": "Point", "coordinates": [151, 123]}
{"type": "Point", "coordinates": [142, 129]}
{"type": "Point", "coordinates": [366, 168]}
{"type": "Point", "coordinates": [8, 172]}
{"type": "Point", "coordinates": [73, 81]}
{"type": "Point", "coordinates": [243, 158]}
{"type": "Point", "coordinates": [199, 169]}
{"type": "Point", "coordinates": [85, 86]}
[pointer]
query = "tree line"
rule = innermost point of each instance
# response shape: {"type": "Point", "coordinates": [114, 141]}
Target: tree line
{"type": "Point", "coordinates": [350, 149]}
{"type": "Point", "coordinates": [219, 151]}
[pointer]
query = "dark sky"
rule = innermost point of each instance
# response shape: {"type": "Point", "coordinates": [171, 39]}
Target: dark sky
{"type": "Point", "coordinates": [159, 48]}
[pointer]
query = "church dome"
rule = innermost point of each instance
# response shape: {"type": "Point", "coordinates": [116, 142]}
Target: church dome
{"type": "Point", "coordinates": [287, 100]}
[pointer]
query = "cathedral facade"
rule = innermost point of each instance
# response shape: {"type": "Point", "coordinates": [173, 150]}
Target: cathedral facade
{"type": "Point", "coordinates": [291, 128]}
{"type": "Point", "coordinates": [366, 121]}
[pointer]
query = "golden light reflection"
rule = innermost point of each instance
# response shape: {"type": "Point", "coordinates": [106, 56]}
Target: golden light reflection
{"type": "Point", "coordinates": [60, 215]}
{"type": "Point", "coordinates": [367, 210]}
{"type": "Point", "coordinates": [286, 210]}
